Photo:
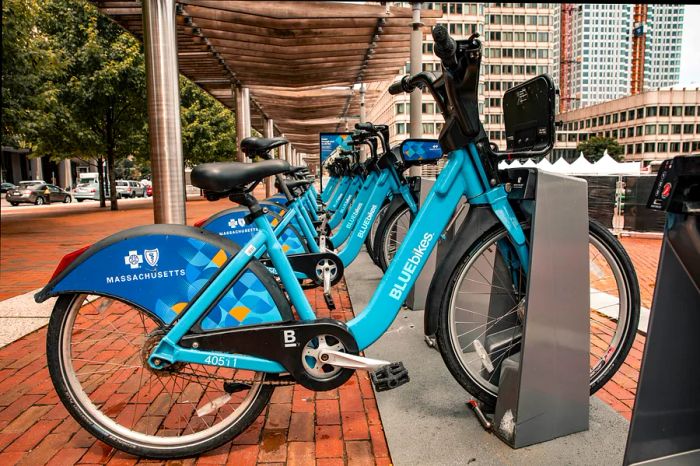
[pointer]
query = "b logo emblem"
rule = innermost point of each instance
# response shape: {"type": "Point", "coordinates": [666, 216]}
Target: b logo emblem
{"type": "Point", "coordinates": [152, 256]}
{"type": "Point", "coordinates": [290, 338]}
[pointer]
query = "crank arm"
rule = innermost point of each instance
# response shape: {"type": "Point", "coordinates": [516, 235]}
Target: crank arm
{"type": "Point", "coordinates": [351, 361]}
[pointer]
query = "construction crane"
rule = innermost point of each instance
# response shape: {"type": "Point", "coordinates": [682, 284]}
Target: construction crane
{"type": "Point", "coordinates": [566, 59]}
{"type": "Point", "coordinates": [639, 37]}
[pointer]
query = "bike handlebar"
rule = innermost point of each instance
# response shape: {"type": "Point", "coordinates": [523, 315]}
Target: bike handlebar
{"type": "Point", "coordinates": [445, 47]}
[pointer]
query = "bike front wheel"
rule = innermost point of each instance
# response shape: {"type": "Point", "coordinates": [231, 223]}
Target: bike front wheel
{"type": "Point", "coordinates": [481, 315]}
{"type": "Point", "coordinates": [97, 350]}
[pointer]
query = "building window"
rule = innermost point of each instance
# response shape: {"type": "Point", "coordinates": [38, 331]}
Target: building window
{"type": "Point", "coordinates": [623, 117]}
{"type": "Point", "coordinates": [638, 148]}
{"type": "Point", "coordinates": [615, 115]}
{"type": "Point", "coordinates": [640, 113]}
{"type": "Point", "coordinates": [686, 147]}
{"type": "Point", "coordinates": [675, 147]}
{"type": "Point", "coordinates": [649, 147]}
{"type": "Point", "coordinates": [400, 128]}
{"type": "Point", "coordinates": [400, 108]}
{"type": "Point", "coordinates": [428, 128]}
{"type": "Point", "coordinates": [663, 147]}
{"type": "Point", "coordinates": [677, 111]}
{"type": "Point", "coordinates": [689, 111]}
{"type": "Point", "coordinates": [651, 111]}
{"type": "Point", "coordinates": [638, 131]}
{"type": "Point", "coordinates": [675, 129]}
{"type": "Point", "coordinates": [429, 108]}
{"type": "Point", "coordinates": [630, 114]}
{"type": "Point", "coordinates": [688, 129]}
{"type": "Point", "coordinates": [663, 129]}
{"type": "Point", "coordinates": [664, 111]}
{"type": "Point", "coordinates": [650, 130]}
{"type": "Point", "coordinates": [607, 119]}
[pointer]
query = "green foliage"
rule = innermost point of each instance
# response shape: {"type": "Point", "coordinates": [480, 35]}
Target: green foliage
{"type": "Point", "coordinates": [593, 148]}
{"type": "Point", "coordinates": [208, 128]}
{"type": "Point", "coordinates": [74, 85]}
{"type": "Point", "coordinates": [95, 104]}
{"type": "Point", "coordinates": [24, 60]}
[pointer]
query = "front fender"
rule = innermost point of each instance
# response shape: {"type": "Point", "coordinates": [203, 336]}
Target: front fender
{"type": "Point", "coordinates": [162, 268]}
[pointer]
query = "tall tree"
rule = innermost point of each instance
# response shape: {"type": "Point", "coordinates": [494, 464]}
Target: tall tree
{"type": "Point", "coordinates": [24, 62]}
{"type": "Point", "coordinates": [208, 128]}
{"type": "Point", "coordinates": [95, 104]}
{"type": "Point", "coordinates": [593, 148]}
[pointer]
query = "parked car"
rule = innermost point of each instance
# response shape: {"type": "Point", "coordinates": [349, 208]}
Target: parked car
{"type": "Point", "coordinates": [126, 188]}
{"type": "Point", "coordinates": [4, 187]}
{"type": "Point", "coordinates": [149, 190]}
{"type": "Point", "coordinates": [37, 192]}
{"type": "Point", "coordinates": [89, 191]}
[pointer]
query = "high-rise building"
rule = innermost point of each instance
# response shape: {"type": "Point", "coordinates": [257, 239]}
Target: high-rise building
{"type": "Point", "coordinates": [592, 53]}
{"type": "Point", "coordinates": [664, 33]}
{"type": "Point", "coordinates": [608, 51]}
{"type": "Point", "coordinates": [518, 42]}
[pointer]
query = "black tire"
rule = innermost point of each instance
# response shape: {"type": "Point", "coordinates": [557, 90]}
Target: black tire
{"type": "Point", "coordinates": [79, 200]}
{"type": "Point", "coordinates": [54, 340]}
{"type": "Point", "coordinates": [382, 237]}
{"type": "Point", "coordinates": [39, 201]}
{"type": "Point", "coordinates": [369, 241]}
{"type": "Point", "coordinates": [14, 204]}
{"type": "Point", "coordinates": [628, 330]}
{"type": "Point", "coordinates": [67, 200]}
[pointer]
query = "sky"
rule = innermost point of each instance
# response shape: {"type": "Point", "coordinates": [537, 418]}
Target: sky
{"type": "Point", "coordinates": [690, 55]}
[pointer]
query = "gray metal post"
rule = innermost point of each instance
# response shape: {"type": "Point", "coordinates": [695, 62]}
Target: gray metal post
{"type": "Point", "coordinates": [416, 129]}
{"type": "Point", "coordinates": [363, 119]}
{"type": "Point", "coordinates": [167, 163]}
{"type": "Point", "coordinates": [269, 133]}
{"type": "Point", "coordinates": [36, 168]}
{"type": "Point", "coordinates": [242, 118]}
{"type": "Point", "coordinates": [283, 150]}
{"type": "Point", "coordinates": [65, 180]}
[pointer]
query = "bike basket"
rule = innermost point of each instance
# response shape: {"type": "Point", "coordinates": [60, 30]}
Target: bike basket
{"type": "Point", "coordinates": [420, 151]}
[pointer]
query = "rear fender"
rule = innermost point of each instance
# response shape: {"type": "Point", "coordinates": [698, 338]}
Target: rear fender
{"type": "Point", "coordinates": [231, 224]}
{"type": "Point", "coordinates": [163, 268]}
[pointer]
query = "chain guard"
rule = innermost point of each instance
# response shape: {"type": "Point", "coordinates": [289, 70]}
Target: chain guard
{"type": "Point", "coordinates": [306, 263]}
{"type": "Point", "coordinates": [282, 342]}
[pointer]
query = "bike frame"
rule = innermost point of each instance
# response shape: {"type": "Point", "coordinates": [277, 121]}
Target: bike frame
{"type": "Point", "coordinates": [463, 175]}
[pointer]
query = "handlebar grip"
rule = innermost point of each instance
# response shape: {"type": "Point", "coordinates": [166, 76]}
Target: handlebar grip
{"type": "Point", "coordinates": [396, 87]}
{"type": "Point", "coordinates": [445, 47]}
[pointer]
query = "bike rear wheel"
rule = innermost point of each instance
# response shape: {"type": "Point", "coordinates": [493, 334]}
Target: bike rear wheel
{"type": "Point", "coordinates": [97, 350]}
{"type": "Point", "coordinates": [480, 320]}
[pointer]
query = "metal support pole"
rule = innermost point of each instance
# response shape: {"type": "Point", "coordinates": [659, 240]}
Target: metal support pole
{"type": "Point", "coordinates": [363, 119]}
{"type": "Point", "coordinates": [416, 129]}
{"type": "Point", "coordinates": [163, 95]}
{"type": "Point", "coordinates": [242, 118]}
{"type": "Point", "coordinates": [283, 150]}
{"type": "Point", "coordinates": [269, 133]}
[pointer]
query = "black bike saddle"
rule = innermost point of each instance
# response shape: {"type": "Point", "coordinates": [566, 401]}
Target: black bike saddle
{"type": "Point", "coordinates": [222, 177]}
{"type": "Point", "coordinates": [261, 146]}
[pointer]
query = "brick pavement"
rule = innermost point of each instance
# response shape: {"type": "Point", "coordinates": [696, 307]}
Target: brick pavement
{"type": "Point", "coordinates": [331, 428]}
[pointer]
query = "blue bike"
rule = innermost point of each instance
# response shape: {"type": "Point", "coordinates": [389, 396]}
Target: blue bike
{"type": "Point", "coordinates": [168, 340]}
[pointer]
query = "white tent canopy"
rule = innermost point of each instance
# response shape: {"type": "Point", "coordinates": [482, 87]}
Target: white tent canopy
{"type": "Point", "coordinates": [606, 165]}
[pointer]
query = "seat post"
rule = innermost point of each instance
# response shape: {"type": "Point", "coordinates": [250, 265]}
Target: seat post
{"type": "Point", "coordinates": [248, 200]}
{"type": "Point", "coordinates": [283, 188]}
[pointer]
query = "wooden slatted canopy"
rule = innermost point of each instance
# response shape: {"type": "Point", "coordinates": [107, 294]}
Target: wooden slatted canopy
{"type": "Point", "coordinates": [302, 61]}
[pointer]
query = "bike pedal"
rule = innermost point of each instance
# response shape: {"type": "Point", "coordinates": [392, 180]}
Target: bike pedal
{"type": "Point", "coordinates": [329, 301]}
{"type": "Point", "coordinates": [389, 377]}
